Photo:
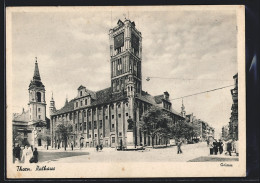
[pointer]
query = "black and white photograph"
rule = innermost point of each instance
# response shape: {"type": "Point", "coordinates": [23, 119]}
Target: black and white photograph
{"type": "Point", "coordinates": [134, 91]}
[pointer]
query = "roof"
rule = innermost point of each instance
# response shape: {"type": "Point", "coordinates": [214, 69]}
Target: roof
{"type": "Point", "coordinates": [158, 98]}
{"type": "Point", "coordinates": [104, 96]}
{"type": "Point", "coordinates": [24, 117]}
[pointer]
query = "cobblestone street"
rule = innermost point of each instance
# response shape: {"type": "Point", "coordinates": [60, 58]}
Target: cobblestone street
{"type": "Point", "coordinates": [191, 152]}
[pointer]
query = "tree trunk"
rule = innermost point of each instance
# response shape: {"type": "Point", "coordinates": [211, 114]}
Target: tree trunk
{"type": "Point", "coordinates": [65, 146]}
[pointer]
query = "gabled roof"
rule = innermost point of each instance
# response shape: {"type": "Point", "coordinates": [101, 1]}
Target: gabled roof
{"type": "Point", "coordinates": [67, 108]}
{"type": "Point", "coordinates": [23, 117]}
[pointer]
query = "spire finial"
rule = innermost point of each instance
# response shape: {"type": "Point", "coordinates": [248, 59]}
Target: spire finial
{"type": "Point", "coordinates": [36, 59]}
{"type": "Point", "coordinates": [51, 95]}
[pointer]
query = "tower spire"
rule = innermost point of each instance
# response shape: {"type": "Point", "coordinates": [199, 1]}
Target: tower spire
{"type": "Point", "coordinates": [183, 112]}
{"type": "Point", "coordinates": [36, 75]}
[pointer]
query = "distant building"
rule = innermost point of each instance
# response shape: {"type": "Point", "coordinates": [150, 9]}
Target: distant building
{"type": "Point", "coordinates": [111, 116]}
{"type": "Point", "coordinates": [31, 125]}
{"type": "Point", "coordinates": [233, 124]}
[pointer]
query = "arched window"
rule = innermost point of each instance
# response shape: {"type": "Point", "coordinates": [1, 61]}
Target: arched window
{"type": "Point", "coordinates": [39, 95]}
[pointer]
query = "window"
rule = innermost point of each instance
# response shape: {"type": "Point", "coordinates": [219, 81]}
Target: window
{"type": "Point", "coordinates": [119, 105]}
{"type": "Point", "coordinates": [101, 135]}
{"type": "Point", "coordinates": [113, 140]}
{"type": "Point", "coordinates": [81, 103]}
{"type": "Point", "coordinates": [89, 135]}
{"type": "Point", "coordinates": [113, 116]}
{"type": "Point", "coordinates": [100, 123]}
{"type": "Point", "coordinates": [89, 125]}
{"type": "Point", "coordinates": [126, 114]}
{"type": "Point", "coordinates": [77, 104]}
{"type": "Point", "coordinates": [106, 117]}
{"type": "Point", "coordinates": [86, 101]}
{"type": "Point", "coordinates": [95, 135]}
{"type": "Point", "coordinates": [85, 125]}
{"type": "Point", "coordinates": [95, 125]}
{"type": "Point", "coordinates": [120, 133]}
{"type": "Point", "coordinates": [39, 116]}
{"type": "Point", "coordinates": [38, 96]}
{"type": "Point", "coordinates": [80, 93]}
{"type": "Point", "coordinates": [119, 115]}
{"type": "Point", "coordinates": [113, 125]}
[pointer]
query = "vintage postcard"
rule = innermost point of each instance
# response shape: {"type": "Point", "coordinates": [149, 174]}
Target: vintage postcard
{"type": "Point", "coordinates": [149, 91]}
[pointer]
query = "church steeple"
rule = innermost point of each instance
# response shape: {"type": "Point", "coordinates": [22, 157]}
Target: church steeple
{"type": "Point", "coordinates": [36, 75]}
{"type": "Point", "coordinates": [37, 103]}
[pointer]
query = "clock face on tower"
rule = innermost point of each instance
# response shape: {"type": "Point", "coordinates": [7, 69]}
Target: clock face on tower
{"type": "Point", "coordinates": [119, 41]}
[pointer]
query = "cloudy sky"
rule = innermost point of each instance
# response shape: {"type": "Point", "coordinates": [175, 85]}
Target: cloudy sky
{"type": "Point", "coordinates": [73, 49]}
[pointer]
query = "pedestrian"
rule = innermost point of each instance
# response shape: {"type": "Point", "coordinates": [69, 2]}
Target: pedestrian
{"type": "Point", "coordinates": [97, 147]}
{"type": "Point", "coordinates": [35, 155]}
{"type": "Point", "coordinates": [215, 147]}
{"type": "Point", "coordinates": [101, 147]}
{"type": "Point", "coordinates": [211, 148]}
{"type": "Point", "coordinates": [229, 147]}
{"type": "Point", "coordinates": [27, 154]}
{"type": "Point", "coordinates": [179, 143]}
{"type": "Point", "coordinates": [71, 146]}
{"type": "Point", "coordinates": [220, 146]}
{"type": "Point", "coordinates": [17, 151]}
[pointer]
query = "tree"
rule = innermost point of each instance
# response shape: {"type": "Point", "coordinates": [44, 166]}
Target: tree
{"type": "Point", "coordinates": [183, 129]}
{"type": "Point", "coordinates": [63, 132]}
{"type": "Point", "coordinates": [18, 137]}
{"type": "Point", "coordinates": [156, 122]}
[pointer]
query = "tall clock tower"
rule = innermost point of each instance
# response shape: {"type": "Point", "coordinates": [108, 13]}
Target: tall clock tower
{"type": "Point", "coordinates": [126, 57]}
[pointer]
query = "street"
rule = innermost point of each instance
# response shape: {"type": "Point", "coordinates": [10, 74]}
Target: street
{"type": "Point", "coordinates": [191, 152]}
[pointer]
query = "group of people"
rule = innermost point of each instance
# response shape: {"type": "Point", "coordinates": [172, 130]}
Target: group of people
{"type": "Point", "coordinates": [25, 154]}
{"type": "Point", "coordinates": [99, 147]}
{"type": "Point", "coordinates": [216, 147]}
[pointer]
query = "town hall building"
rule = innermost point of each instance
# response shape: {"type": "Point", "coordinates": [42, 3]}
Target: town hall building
{"type": "Point", "coordinates": [112, 116]}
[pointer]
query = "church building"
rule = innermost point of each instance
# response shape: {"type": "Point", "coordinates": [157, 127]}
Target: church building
{"type": "Point", "coordinates": [112, 116]}
{"type": "Point", "coordinates": [31, 126]}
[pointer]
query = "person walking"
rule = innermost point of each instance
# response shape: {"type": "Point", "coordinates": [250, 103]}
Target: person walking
{"type": "Point", "coordinates": [97, 148]}
{"type": "Point", "coordinates": [17, 151]}
{"type": "Point", "coordinates": [220, 146]}
{"type": "Point", "coordinates": [101, 147]}
{"type": "Point", "coordinates": [71, 146]}
{"type": "Point", "coordinates": [215, 147]}
{"type": "Point", "coordinates": [179, 143]}
{"type": "Point", "coordinates": [229, 147]}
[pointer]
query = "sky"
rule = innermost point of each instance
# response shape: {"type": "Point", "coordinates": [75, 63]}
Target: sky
{"type": "Point", "coordinates": [73, 49]}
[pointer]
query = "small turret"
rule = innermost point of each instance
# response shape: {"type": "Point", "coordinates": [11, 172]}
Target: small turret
{"type": "Point", "coordinates": [183, 112]}
{"type": "Point", "coordinates": [52, 105]}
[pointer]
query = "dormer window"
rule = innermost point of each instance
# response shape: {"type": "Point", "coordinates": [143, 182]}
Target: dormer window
{"type": "Point", "coordinates": [86, 101]}
{"type": "Point", "coordinates": [81, 93]}
{"type": "Point", "coordinates": [77, 104]}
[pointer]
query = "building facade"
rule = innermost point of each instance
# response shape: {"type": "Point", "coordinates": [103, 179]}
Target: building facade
{"type": "Point", "coordinates": [112, 116]}
{"type": "Point", "coordinates": [33, 125]}
{"type": "Point", "coordinates": [233, 124]}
